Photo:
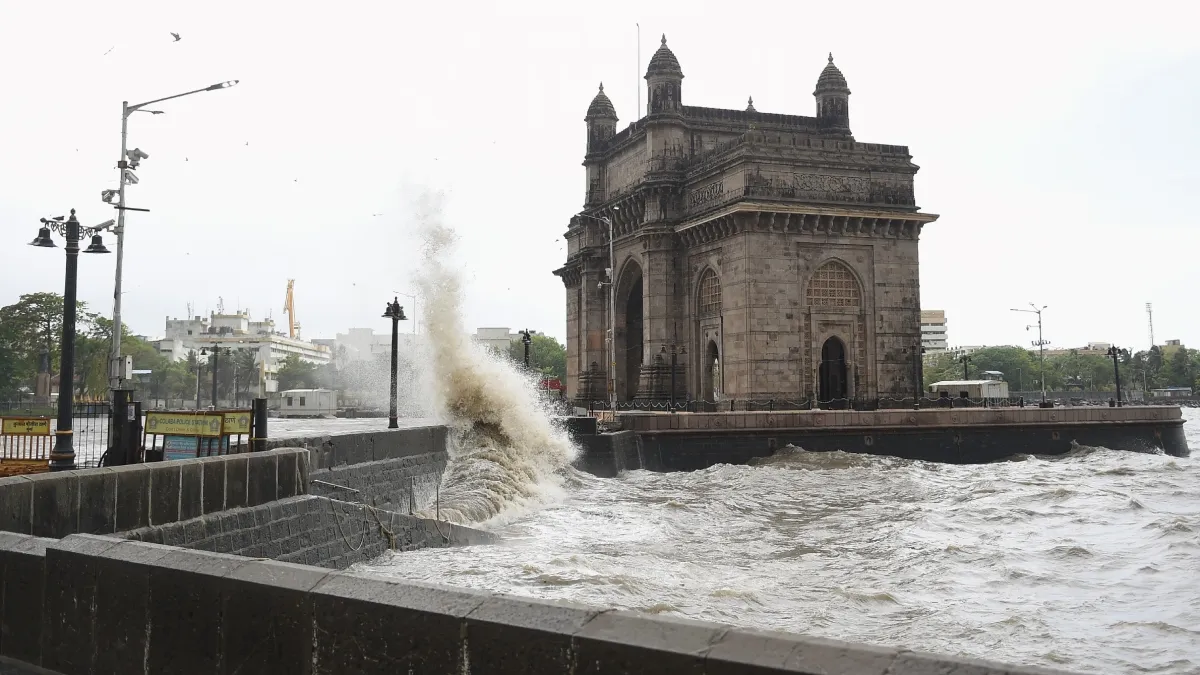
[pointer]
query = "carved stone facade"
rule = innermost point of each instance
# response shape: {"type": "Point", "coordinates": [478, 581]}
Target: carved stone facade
{"type": "Point", "coordinates": [775, 253]}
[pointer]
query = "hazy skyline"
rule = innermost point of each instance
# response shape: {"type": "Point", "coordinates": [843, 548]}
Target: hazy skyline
{"type": "Point", "coordinates": [1055, 144]}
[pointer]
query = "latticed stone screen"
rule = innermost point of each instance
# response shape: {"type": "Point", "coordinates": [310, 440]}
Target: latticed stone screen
{"type": "Point", "coordinates": [833, 285]}
{"type": "Point", "coordinates": [710, 294]}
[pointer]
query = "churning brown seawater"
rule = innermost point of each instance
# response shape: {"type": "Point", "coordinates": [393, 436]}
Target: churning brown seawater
{"type": "Point", "coordinates": [1087, 562]}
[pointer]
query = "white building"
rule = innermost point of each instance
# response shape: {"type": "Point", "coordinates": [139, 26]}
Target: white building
{"type": "Point", "coordinates": [364, 344]}
{"type": "Point", "coordinates": [933, 330]}
{"type": "Point", "coordinates": [237, 332]}
{"type": "Point", "coordinates": [497, 338]}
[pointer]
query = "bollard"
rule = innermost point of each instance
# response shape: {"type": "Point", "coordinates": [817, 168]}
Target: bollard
{"type": "Point", "coordinates": [258, 442]}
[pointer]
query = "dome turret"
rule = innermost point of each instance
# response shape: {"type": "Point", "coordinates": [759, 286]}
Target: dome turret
{"type": "Point", "coordinates": [831, 80]}
{"type": "Point", "coordinates": [833, 100]}
{"type": "Point", "coordinates": [601, 107]}
{"type": "Point", "coordinates": [601, 121]}
{"type": "Point", "coordinates": [664, 82]}
{"type": "Point", "coordinates": [664, 62]}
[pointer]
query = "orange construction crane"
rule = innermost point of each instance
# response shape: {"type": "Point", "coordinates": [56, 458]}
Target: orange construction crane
{"type": "Point", "coordinates": [289, 306]}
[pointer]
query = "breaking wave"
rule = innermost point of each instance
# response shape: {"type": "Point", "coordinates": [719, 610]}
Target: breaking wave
{"type": "Point", "coordinates": [505, 453]}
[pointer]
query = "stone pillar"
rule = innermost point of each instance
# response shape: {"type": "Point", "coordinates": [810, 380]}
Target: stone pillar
{"type": "Point", "coordinates": [593, 328]}
{"type": "Point", "coordinates": [658, 316]}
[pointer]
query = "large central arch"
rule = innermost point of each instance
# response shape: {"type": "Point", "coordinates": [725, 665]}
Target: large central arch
{"type": "Point", "coordinates": [629, 338]}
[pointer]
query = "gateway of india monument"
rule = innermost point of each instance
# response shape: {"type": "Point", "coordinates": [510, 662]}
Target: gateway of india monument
{"type": "Point", "coordinates": [774, 254]}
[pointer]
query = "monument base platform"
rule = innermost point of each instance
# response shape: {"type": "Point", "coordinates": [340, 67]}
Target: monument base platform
{"type": "Point", "coordinates": [691, 441]}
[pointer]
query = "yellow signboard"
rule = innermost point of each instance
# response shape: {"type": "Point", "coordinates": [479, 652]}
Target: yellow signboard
{"type": "Point", "coordinates": [237, 422]}
{"type": "Point", "coordinates": [25, 426]}
{"type": "Point", "coordinates": [183, 424]}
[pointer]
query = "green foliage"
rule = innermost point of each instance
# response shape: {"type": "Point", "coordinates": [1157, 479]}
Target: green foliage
{"type": "Point", "coordinates": [296, 373]}
{"type": "Point", "coordinates": [1072, 370]}
{"type": "Point", "coordinates": [546, 355]}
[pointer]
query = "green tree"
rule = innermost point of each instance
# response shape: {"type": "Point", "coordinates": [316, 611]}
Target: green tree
{"type": "Point", "coordinates": [1179, 369]}
{"type": "Point", "coordinates": [30, 328]}
{"type": "Point", "coordinates": [546, 355]}
{"type": "Point", "coordinates": [296, 373]}
{"type": "Point", "coordinates": [245, 371]}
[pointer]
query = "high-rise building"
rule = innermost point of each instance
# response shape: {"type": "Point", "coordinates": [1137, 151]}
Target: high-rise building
{"type": "Point", "coordinates": [933, 330]}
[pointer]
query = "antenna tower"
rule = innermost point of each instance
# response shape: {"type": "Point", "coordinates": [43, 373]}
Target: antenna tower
{"type": "Point", "coordinates": [1150, 322]}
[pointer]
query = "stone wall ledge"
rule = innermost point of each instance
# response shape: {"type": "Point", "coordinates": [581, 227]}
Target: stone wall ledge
{"type": "Point", "coordinates": [655, 422]}
{"type": "Point", "coordinates": [115, 499]}
{"type": "Point", "coordinates": [176, 610]}
{"type": "Point", "coordinates": [341, 449]}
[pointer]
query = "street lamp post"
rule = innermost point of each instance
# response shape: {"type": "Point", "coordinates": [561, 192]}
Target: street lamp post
{"type": "Point", "coordinates": [675, 352]}
{"type": "Point", "coordinates": [62, 457]}
{"type": "Point", "coordinates": [203, 352]}
{"type": "Point", "coordinates": [216, 356]}
{"type": "Point", "coordinates": [396, 313]}
{"type": "Point", "coordinates": [612, 314]}
{"type": "Point", "coordinates": [1114, 354]}
{"type": "Point", "coordinates": [125, 165]}
{"type": "Point", "coordinates": [918, 385]}
{"type": "Point", "coordinates": [1040, 344]}
{"type": "Point", "coordinates": [526, 340]}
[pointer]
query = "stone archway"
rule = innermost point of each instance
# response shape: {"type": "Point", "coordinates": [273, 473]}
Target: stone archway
{"type": "Point", "coordinates": [710, 373]}
{"type": "Point", "coordinates": [634, 347]}
{"type": "Point", "coordinates": [833, 380]}
{"type": "Point", "coordinates": [629, 344]}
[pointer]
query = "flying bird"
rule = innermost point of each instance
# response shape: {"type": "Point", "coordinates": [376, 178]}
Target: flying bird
{"type": "Point", "coordinates": [176, 36]}
{"type": "Point", "coordinates": [109, 50]}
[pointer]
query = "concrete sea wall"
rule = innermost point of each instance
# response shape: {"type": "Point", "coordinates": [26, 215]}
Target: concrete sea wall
{"type": "Point", "coordinates": [108, 500]}
{"type": "Point", "coordinates": [93, 604]}
{"type": "Point", "coordinates": [690, 441]}
{"type": "Point", "coordinates": [283, 503]}
{"type": "Point", "coordinates": [394, 470]}
{"type": "Point", "coordinates": [311, 530]}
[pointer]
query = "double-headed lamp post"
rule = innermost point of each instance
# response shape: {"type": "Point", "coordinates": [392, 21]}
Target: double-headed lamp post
{"type": "Point", "coordinates": [675, 352]}
{"type": "Point", "coordinates": [62, 457]}
{"type": "Point", "coordinates": [125, 165]}
{"type": "Point", "coordinates": [526, 340]}
{"type": "Point", "coordinates": [1040, 344]}
{"type": "Point", "coordinates": [396, 313]}
{"type": "Point", "coordinates": [1115, 353]}
{"type": "Point", "coordinates": [612, 312]}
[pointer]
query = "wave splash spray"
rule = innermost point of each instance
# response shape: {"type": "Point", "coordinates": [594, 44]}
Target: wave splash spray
{"type": "Point", "coordinates": [505, 453]}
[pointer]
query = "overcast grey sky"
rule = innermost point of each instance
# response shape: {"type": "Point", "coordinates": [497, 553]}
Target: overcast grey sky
{"type": "Point", "coordinates": [1057, 140]}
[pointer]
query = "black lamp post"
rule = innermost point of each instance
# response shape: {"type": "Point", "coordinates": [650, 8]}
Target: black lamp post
{"type": "Point", "coordinates": [526, 340]}
{"type": "Point", "coordinates": [62, 457]}
{"type": "Point", "coordinates": [675, 352]}
{"type": "Point", "coordinates": [1114, 354]}
{"type": "Point", "coordinates": [396, 313]}
{"type": "Point", "coordinates": [216, 351]}
{"type": "Point", "coordinates": [918, 384]}
{"type": "Point", "coordinates": [203, 352]}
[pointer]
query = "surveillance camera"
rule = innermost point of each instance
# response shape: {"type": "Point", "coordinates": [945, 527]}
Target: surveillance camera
{"type": "Point", "coordinates": [130, 177]}
{"type": "Point", "coordinates": [599, 284]}
{"type": "Point", "coordinates": [107, 196]}
{"type": "Point", "coordinates": [137, 154]}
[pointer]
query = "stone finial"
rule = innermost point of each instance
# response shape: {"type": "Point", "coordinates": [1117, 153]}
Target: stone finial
{"type": "Point", "coordinates": [601, 87]}
{"type": "Point", "coordinates": [831, 57]}
{"type": "Point", "coordinates": [664, 40]}
{"type": "Point", "coordinates": [750, 105]}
